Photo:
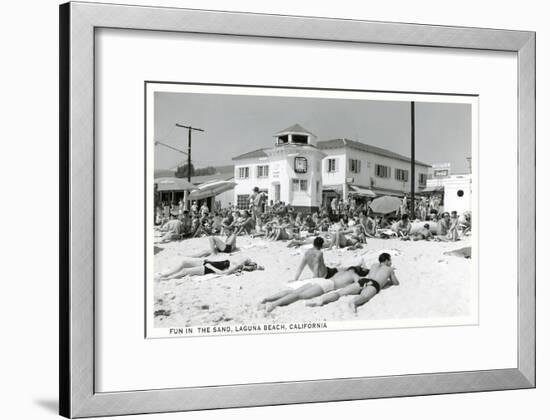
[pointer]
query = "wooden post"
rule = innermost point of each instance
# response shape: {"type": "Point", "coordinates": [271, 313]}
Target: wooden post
{"type": "Point", "coordinates": [413, 165]}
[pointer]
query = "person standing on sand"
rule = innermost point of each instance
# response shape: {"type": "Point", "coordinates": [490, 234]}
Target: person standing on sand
{"type": "Point", "coordinates": [380, 276]}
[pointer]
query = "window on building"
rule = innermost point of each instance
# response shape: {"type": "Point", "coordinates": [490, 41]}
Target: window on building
{"type": "Point", "coordinates": [382, 171]}
{"type": "Point", "coordinates": [298, 138]}
{"type": "Point", "coordinates": [422, 178]}
{"type": "Point", "coordinates": [243, 201]}
{"type": "Point", "coordinates": [331, 165]}
{"type": "Point", "coordinates": [355, 166]}
{"type": "Point", "coordinates": [244, 172]}
{"type": "Point", "coordinates": [262, 171]}
{"type": "Point", "coordinates": [282, 139]}
{"type": "Point", "coordinates": [299, 185]}
{"type": "Point", "coordinates": [401, 175]}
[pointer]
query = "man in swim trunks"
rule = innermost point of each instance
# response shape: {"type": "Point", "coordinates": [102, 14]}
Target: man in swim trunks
{"type": "Point", "coordinates": [313, 288]}
{"type": "Point", "coordinates": [380, 276]}
{"type": "Point", "coordinates": [314, 259]}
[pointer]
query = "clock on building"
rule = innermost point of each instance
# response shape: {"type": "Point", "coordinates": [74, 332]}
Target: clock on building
{"type": "Point", "coordinates": [300, 165]}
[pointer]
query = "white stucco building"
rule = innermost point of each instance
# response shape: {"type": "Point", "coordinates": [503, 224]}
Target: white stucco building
{"type": "Point", "coordinates": [352, 167]}
{"type": "Point", "coordinates": [306, 173]}
{"type": "Point", "coordinates": [456, 191]}
{"type": "Point", "coordinates": [289, 172]}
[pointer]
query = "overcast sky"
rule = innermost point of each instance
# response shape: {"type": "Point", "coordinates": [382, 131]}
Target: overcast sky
{"type": "Point", "coordinates": [235, 124]}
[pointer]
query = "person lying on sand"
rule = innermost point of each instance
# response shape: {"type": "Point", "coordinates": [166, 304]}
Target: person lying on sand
{"type": "Point", "coordinates": [380, 276]}
{"type": "Point", "coordinates": [200, 266]}
{"type": "Point", "coordinates": [313, 288]}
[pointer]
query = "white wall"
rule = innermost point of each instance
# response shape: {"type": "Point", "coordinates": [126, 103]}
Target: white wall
{"type": "Point", "coordinates": [246, 185]}
{"type": "Point", "coordinates": [452, 200]}
{"type": "Point", "coordinates": [368, 171]}
{"type": "Point", "coordinates": [29, 311]}
{"type": "Point", "coordinates": [339, 176]}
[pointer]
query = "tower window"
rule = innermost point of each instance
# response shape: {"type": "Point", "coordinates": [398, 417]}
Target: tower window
{"type": "Point", "coordinates": [282, 139]}
{"type": "Point", "coordinates": [300, 139]}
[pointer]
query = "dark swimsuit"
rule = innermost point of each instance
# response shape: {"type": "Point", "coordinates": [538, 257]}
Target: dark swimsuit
{"type": "Point", "coordinates": [220, 265]}
{"type": "Point", "coordinates": [360, 271]}
{"type": "Point", "coordinates": [226, 250]}
{"type": "Point", "coordinates": [369, 282]}
{"type": "Point", "coordinates": [331, 271]}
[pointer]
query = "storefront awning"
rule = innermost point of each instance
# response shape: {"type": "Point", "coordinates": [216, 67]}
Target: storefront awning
{"type": "Point", "coordinates": [429, 190]}
{"type": "Point", "coordinates": [213, 188]}
{"type": "Point", "coordinates": [173, 184]}
{"type": "Point", "coordinates": [362, 191]}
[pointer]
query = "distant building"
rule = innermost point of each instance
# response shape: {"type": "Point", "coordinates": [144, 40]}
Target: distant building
{"type": "Point", "coordinates": [306, 173]}
{"type": "Point", "coordinates": [439, 170]}
{"type": "Point", "coordinates": [455, 189]}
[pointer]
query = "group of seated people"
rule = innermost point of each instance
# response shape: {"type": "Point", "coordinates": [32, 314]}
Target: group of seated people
{"type": "Point", "coordinates": [347, 231]}
{"type": "Point", "coordinates": [447, 227]}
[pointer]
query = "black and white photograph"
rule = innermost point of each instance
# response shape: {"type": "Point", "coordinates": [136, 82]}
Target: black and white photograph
{"type": "Point", "coordinates": [281, 210]}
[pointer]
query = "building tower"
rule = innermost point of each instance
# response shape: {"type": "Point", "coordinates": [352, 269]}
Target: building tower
{"type": "Point", "coordinates": [289, 172]}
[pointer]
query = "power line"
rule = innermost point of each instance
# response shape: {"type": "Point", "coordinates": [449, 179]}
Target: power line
{"type": "Point", "coordinates": [170, 147]}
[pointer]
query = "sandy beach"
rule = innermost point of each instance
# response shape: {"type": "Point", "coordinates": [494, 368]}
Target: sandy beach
{"type": "Point", "coordinates": [432, 284]}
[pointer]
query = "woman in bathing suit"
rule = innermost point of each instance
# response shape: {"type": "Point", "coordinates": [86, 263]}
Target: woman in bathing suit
{"type": "Point", "coordinates": [199, 267]}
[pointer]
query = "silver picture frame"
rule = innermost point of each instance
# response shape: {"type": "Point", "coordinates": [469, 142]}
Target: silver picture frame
{"type": "Point", "coordinates": [78, 23]}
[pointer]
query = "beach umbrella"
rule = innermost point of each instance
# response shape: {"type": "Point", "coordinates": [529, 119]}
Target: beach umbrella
{"type": "Point", "coordinates": [211, 188]}
{"type": "Point", "coordinates": [385, 204]}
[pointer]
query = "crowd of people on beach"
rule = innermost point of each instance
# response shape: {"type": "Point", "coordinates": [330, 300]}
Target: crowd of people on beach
{"type": "Point", "coordinates": [339, 225]}
{"type": "Point", "coordinates": [342, 223]}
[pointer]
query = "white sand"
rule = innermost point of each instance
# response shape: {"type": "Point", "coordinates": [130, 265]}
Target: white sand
{"type": "Point", "coordinates": [432, 285]}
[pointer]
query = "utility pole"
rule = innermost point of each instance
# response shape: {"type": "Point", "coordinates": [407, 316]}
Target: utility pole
{"type": "Point", "coordinates": [189, 130]}
{"type": "Point", "coordinates": [413, 166]}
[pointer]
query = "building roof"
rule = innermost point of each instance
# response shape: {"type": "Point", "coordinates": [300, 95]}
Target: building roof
{"type": "Point", "coordinates": [253, 154]}
{"type": "Point", "coordinates": [173, 184]}
{"type": "Point", "coordinates": [296, 128]}
{"type": "Point", "coordinates": [338, 143]}
{"type": "Point", "coordinates": [218, 176]}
